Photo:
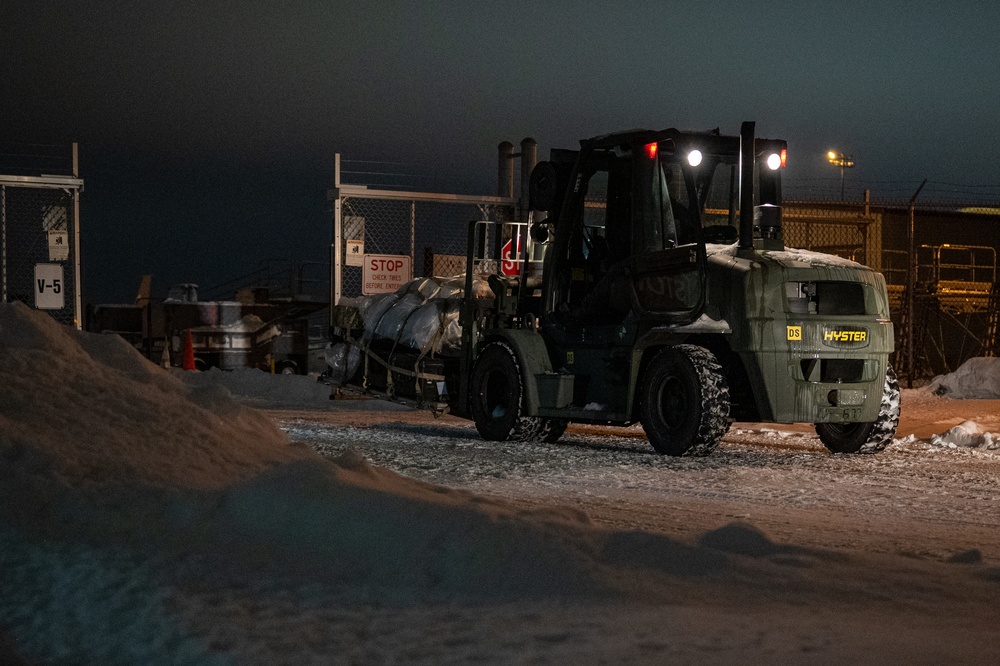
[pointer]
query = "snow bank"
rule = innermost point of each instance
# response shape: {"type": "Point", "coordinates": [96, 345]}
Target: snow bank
{"type": "Point", "coordinates": [977, 378]}
{"type": "Point", "coordinates": [261, 389]}
{"type": "Point", "coordinates": [91, 407]}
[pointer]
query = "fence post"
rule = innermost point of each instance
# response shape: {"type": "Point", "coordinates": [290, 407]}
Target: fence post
{"type": "Point", "coordinates": [413, 235]}
{"type": "Point", "coordinates": [78, 301]}
{"type": "Point", "coordinates": [336, 281]}
{"type": "Point", "coordinates": [3, 241]}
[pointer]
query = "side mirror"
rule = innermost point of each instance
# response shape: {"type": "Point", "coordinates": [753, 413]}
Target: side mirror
{"type": "Point", "coordinates": [540, 231]}
{"type": "Point", "coordinates": [720, 233]}
{"type": "Point", "coordinates": [542, 187]}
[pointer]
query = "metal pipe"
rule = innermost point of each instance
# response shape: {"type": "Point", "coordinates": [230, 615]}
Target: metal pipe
{"type": "Point", "coordinates": [747, 155]}
{"type": "Point", "coordinates": [911, 284]}
{"type": "Point", "coordinates": [467, 318]}
{"type": "Point", "coordinates": [529, 157]}
{"type": "Point", "coordinates": [505, 170]}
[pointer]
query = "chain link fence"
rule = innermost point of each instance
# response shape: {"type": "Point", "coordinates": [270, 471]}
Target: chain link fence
{"type": "Point", "coordinates": [431, 230]}
{"type": "Point", "coordinates": [851, 234]}
{"type": "Point", "coordinates": [952, 314]}
{"type": "Point", "coordinates": [39, 246]}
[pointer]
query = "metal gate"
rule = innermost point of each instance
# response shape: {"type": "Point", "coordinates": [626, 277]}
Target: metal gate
{"type": "Point", "coordinates": [430, 229]}
{"type": "Point", "coordinates": [40, 244]}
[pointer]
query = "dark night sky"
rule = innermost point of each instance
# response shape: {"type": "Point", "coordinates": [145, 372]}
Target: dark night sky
{"type": "Point", "coordinates": [207, 129]}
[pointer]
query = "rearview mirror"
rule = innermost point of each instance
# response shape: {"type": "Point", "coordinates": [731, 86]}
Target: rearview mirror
{"type": "Point", "coordinates": [540, 231]}
{"type": "Point", "coordinates": [542, 187]}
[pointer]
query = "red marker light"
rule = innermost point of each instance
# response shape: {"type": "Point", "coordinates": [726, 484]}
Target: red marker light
{"type": "Point", "coordinates": [651, 150]}
{"type": "Point", "coordinates": [784, 157]}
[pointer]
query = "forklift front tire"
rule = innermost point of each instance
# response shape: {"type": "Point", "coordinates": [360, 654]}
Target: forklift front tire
{"type": "Point", "coordinates": [684, 404]}
{"type": "Point", "coordinates": [498, 400]}
{"type": "Point", "coordinates": [866, 437]}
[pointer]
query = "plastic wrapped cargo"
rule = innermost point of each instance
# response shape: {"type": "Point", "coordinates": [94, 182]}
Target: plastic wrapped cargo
{"type": "Point", "coordinates": [422, 314]}
{"type": "Point", "coordinates": [343, 361]}
{"type": "Point", "coordinates": [411, 326]}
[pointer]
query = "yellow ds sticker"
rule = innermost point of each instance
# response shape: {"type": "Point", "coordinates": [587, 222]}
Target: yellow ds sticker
{"type": "Point", "coordinates": [569, 358]}
{"type": "Point", "coordinates": [794, 332]}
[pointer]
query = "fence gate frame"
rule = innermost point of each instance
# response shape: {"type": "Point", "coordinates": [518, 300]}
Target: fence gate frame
{"type": "Point", "coordinates": [341, 192]}
{"type": "Point", "coordinates": [72, 186]}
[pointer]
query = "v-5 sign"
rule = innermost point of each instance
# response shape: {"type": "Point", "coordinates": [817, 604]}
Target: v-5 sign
{"type": "Point", "coordinates": [49, 293]}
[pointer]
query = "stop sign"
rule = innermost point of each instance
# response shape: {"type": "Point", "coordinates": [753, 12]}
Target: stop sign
{"type": "Point", "coordinates": [384, 273]}
{"type": "Point", "coordinates": [509, 265]}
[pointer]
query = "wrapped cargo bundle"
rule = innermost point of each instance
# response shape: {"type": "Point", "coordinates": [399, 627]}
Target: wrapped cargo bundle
{"type": "Point", "coordinates": [422, 315]}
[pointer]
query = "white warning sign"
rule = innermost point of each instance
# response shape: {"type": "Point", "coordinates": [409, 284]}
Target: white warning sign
{"type": "Point", "coordinates": [384, 273]}
{"type": "Point", "coordinates": [49, 287]}
{"type": "Point", "coordinates": [355, 253]}
{"type": "Point", "coordinates": [58, 245]}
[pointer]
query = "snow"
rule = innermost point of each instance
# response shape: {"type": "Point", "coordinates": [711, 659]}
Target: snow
{"type": "Point", "coordinates": [788, 255]}
{"type": "Point", "coordinates": [811, 258]}
{"type": "Point", "coordinates": [976, 378]}
{"type": "Point", "coordinates": [152, 517]}
{"type": "Point", "coordinates": [968, 434]}
{"type": "Point", "coordinates": [261, 389]}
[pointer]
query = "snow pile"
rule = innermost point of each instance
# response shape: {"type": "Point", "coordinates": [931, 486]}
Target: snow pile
{"type": "Point", "coordinates": [969, 435]}
{"type": "Point", "coordinates": [91, 407]}
{"type": "Point", "coordinates": [977, 378]}
{"type": "Point", "coordinates": [261, 389]}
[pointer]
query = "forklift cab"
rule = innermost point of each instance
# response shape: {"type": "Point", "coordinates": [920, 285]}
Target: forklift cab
{"type": "Point", "coordinates": [626, 237]}
{"type": "Point", "coordinates": [629, 249]}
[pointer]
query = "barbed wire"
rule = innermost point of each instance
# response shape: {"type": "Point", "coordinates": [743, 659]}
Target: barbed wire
{"type": "Point", "coordinates": [18, 158]}
{"type": "Point", "coordinates": [934, 194]}
{"type": "Point", "coordinates": [403, 176]}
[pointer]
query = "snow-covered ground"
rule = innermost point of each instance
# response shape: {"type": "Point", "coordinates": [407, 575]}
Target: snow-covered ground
{"type": "Point", "coordinates": [150, 517]}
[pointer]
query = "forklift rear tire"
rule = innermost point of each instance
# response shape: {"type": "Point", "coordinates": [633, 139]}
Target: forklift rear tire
{"type": "Point", "coordinates": [684, 404]}
{"type": "Point", "coordinates": [498, 400]}
{"type": "Point", "coordinates": [866, 437]}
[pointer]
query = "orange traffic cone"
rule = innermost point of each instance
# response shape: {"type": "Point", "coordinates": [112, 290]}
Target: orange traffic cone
{"type": "Point", "coordinates": [188, 352]}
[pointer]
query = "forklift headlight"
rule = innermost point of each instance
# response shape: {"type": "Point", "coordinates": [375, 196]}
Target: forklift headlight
{"type": "Point", "coordinates": [774, 161]}
{"type": "Point", "coordinates": [694, 158]}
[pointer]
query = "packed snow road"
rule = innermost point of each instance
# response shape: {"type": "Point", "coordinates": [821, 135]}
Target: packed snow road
{"type": "Point", "coordinates": [914, 499]}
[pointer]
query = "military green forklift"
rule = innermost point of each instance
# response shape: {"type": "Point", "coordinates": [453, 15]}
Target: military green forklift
{"type": "Point", "coordinates": [664, 296]}
{"type": "Point", "coordinates": [667, 297]}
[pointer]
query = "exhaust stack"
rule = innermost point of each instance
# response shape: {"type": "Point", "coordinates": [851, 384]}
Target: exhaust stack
{"type": "Point", "coordinates": [747, 156]}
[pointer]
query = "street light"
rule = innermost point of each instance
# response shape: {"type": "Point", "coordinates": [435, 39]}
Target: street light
{"type": "Point", "coordinates": [844, 162]}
